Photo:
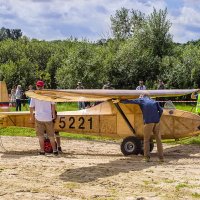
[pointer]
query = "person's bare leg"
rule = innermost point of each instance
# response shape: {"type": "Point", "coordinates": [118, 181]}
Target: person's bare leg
{"type": "Point", "coordinates": [40, 130]}
{"type": "Point", "coordinates": [41, 143]}
{"type": "Point", "coordinates": [50, 132]}
{"type": "Point", "coordinates": [58, 139]}
{"type": "Point", "coordinates": [53, 144]}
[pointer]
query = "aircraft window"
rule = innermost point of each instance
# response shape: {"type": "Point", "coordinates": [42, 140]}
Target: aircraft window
{"type": "Point", "coordinates": [169, 105]}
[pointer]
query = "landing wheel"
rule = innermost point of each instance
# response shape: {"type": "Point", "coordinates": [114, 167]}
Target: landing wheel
{"type": "Point", "coordinates": [151, 146]}
{"type": "Point", "coordinates": [131, 145]}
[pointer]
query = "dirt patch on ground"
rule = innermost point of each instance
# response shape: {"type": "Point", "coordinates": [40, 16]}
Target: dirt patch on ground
{"type": "Point", "coordinates": [96, 170]}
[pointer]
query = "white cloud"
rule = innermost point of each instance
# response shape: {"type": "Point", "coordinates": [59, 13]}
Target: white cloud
{"type": "Point", "coordinates": [58, 19]}
{"type": "Point", "coordinates": [189, 16]}
{"type": "Point", "coordinates": [186, 25]}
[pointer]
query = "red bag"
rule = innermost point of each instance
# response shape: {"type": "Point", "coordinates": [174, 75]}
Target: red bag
{"type": "Point", "coordinates": [47, 146]}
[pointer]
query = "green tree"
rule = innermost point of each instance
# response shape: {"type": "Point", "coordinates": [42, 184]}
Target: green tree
{"type": "Point", "coordinates": [120, 24]}
{"type": "Point", "coordinates": [21, 72]}
{"type": "Point", "coordinates": [6, 33]}
{"type": "Point", "coordinates": [83, 64]}
{"type": "Point", "coordinates": [54, 63]}
{"type": "Point", "coordinates": [125, 22]}
{"type": "Point", "coordinates": [154, 35]}
{"type": "Point", "coordinates": [132, 64]}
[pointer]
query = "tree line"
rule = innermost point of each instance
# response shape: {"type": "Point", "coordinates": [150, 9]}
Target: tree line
{"type": "Point", "coordinates": [141, 48]}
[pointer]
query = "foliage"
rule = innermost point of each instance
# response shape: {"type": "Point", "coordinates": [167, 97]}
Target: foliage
{"type": "Point", "coordinates": [125, 22]}
{"type": "Point", "coordinates": [6, 33]}
{"type": "Point", "coordinates": [129, 67]}
{"type": "Point", "coordinates": [141, 49]}
{"type": "Point", "coordinates": [83, 63]}
{"type": "Point", "coordinates": [121, 25]}
{"type": "Point", "coordinates": [156, 30]}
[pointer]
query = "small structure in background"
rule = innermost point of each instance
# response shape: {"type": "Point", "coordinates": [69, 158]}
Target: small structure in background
{"type": "Point", "coordinates": [4, 98]}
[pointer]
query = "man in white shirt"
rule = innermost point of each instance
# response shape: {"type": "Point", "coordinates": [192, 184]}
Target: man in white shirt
{"type": "Point", "coordinates": [141, 86]}
{"type": "Point", "coordinates": [43, 118]}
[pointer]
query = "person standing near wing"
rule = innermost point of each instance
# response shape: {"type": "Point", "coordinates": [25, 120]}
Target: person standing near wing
{"type": "Point", "coordinates": [81, 104]}
{"type": "Point", "coordinates": [160, 86]}
{"type": "Point", "coordinates": [43, 118]}
{"type": "Point", "coordinates": [141, 86]}
{"type": "Point", "coordinates": [18, 96]}
{"type": "Point", "coordinates": [196, 95]}
{"type": "Point", "coordinates": [107, 86]}
{"type": "Point", "coordinates": [152, 112]}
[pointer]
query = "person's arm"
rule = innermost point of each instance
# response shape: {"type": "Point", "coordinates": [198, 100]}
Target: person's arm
{"type": "Point", "coordinates": [32, 109]}
{"type": "Point", "coordinates": [135, 101]}
{"type": "Point", "coordinates": [32, 115]}
{"type": "Point", "coordinates": [53, 110]}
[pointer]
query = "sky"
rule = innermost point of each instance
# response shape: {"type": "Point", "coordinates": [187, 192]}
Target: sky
{"type": "Point", "coordinates": [90, 19]}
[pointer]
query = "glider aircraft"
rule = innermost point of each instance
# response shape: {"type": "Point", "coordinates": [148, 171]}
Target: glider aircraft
{"type": "Point", "coordinates": [110, 119]}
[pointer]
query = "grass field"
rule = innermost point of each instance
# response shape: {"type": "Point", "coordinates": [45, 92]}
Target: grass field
{"type": "Point", "coordinates": [16, 131]}
{"type": "Point", "coordinates": [59, 107]}
{"type": "Point", "coordinates": [186, 107]}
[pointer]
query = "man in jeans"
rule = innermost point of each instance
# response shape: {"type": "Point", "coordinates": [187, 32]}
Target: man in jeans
{"type": "Point", "coordinates": [43, 118]}
{"type": "Point", "coordinates": [152, 112]}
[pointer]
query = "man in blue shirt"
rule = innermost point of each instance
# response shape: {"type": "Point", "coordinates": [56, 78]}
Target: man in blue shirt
{"type": "Point", "coordinates": [152, 112]}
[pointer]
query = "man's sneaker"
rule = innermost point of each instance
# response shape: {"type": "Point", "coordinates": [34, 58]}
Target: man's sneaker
{"type": "Point", "coordinates": [41, 153]}
{"type": "Point", "coordinates": [60, 149]}
{"type": "Point", "coordinates": [55, 153]}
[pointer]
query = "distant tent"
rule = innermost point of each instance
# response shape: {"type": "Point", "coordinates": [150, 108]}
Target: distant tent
{"type": "Point", "coordinates": [4, 98]}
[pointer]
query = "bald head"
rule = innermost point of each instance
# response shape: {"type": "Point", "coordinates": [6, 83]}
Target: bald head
{"type": "Point", "coordinates": [144, 94]}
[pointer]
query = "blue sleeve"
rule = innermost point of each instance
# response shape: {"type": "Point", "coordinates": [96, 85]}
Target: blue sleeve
{"type": "Point", "coordinates": [135, 101]}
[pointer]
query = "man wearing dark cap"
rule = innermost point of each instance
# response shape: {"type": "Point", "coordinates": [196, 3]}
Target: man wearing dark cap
{"type": "Point", "coordinates": [43, 118]}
